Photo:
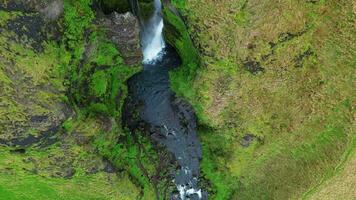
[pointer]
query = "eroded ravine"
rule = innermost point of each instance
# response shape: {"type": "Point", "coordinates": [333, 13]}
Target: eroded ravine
{"type": "Point", "coordinates": [171, 120]}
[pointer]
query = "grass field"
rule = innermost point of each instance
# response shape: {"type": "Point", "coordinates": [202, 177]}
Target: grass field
{"type": "Point", "coordinates": [283, 73]}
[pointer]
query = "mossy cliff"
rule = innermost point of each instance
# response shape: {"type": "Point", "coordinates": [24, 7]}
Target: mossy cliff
{"type": "Point", "coordinates": [273, 90]}
{"type": "Point", "coordinates": [62, 85]}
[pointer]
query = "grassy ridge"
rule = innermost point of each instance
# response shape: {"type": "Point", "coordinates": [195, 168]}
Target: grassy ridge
{"type": "Point", "coordinates": [282, 72]}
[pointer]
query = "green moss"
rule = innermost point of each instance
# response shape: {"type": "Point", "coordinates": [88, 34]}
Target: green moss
{"type": "Point", "coordinates": [177, 35]}
{"type": "Point", "coordinates": [78, 16]}
{"type": "Point", "coordinates": [241, 18]}
{"type": "Point", "coordinates": [98, 83]}
{"type": "Point", "coordinates": [128, 155]}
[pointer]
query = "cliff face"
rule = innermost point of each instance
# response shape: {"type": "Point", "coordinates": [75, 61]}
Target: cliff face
{"type": "Point", "coordinates": [32, 105]}
{"type": "Point", "coordinates": [62, 83]}
{"type": "Point", "coordinates": [273, 92]}
{"type": "Point", "coordinates": [123, 30]}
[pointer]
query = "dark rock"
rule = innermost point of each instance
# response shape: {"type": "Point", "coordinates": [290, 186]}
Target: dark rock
{"type": "Point", "coordinates": [20, 151]}
{"type": "Point", "coordinates": [109, 168]}
{"type": "Point", "coordinates": [38, 119]}
{"type": "Point", "coordinates": [68, 173]}
{"type": "Point", "coordinates": [50, 9]}
{"type": "Point", "coordinates": [109, 6]}
{"type": "Point", "coordinates": [247, 140]}
{"type": "Point", "coordinates": [300, 58]}
{"type": "Point", "coordinates": [284, 37]}
{"type": "Point", "coordinates": [123, 30]}
{"type": "Point", "coordinates": [93, 169]}
{"type": "Point", "coordinates": [13, 5]}
{"type": "Point", "coordinates": [253, 66]}
{"type": "Point", "coordinates": [29, 30]}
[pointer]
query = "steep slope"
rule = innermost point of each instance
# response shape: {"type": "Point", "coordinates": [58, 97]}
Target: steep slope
{"type": "Point", "coordinates": [274, 92]}
{"type": "Point", "coordinates": [62, 83]}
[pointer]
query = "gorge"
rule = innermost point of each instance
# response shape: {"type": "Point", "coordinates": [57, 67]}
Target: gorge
{"type": "Point", "coordinates": [172, 122]}
{"type": "Point", "coordinates": [177, 99]}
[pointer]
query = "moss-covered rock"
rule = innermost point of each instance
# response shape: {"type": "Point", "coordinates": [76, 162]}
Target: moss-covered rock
{"type": "Point", "coordinates": [32, 97]}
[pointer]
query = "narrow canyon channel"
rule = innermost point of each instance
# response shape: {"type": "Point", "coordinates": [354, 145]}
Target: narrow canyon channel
{"type": "Point", "coordinates": [171, 120]}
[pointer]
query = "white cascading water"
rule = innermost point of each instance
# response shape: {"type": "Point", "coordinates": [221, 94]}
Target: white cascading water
{"type": "Point", "coordinates": [152, 36]}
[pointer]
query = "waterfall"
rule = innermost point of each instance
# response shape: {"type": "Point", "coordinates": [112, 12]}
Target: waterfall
{"type": "Point", "coordinates": [152, 35]}
{"type": "Point", "coordinates": [152, 42]}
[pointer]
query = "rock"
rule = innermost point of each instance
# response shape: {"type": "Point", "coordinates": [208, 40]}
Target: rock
{"type": "Point", "coordinates": [247, 140]}
{"type": "Point", "coordinates": [123, 30]}
{"type": "Point", "coordinates": [31, 101]}
{"type": "Point", "coordinates": [80, 139]}
{"type": "Point", "coordinates": [109, 167]}
{"type": "Point", "coordinates": [253, 66]}
{"type": "Point", "coordinates": [50, 9]}
{"type": "Point", "coordinates": [29, 30]}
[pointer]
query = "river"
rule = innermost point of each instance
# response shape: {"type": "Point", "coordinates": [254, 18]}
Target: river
{"type": "Point", "coordinates": [173, 119]}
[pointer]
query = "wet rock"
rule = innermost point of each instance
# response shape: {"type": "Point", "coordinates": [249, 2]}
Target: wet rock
{"type": "Point", "coordinates": [123, 30]}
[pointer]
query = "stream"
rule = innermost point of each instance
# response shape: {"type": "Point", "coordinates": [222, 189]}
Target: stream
{"type": "Point", "coordinates": [173, 119]}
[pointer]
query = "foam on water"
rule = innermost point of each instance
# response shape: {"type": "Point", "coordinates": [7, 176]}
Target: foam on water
{"type": "Point", "coordinates": [184, 192]}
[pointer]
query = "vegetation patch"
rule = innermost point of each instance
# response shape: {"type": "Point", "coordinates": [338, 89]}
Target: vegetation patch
{"type": "Point", "coordinates": [299, 108]}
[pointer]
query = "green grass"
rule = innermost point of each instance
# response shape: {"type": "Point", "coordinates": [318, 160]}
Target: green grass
{"type": "Point", "coordinates": [299, 108]}
{"type": "Point", "coordinates": [17, 183]}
